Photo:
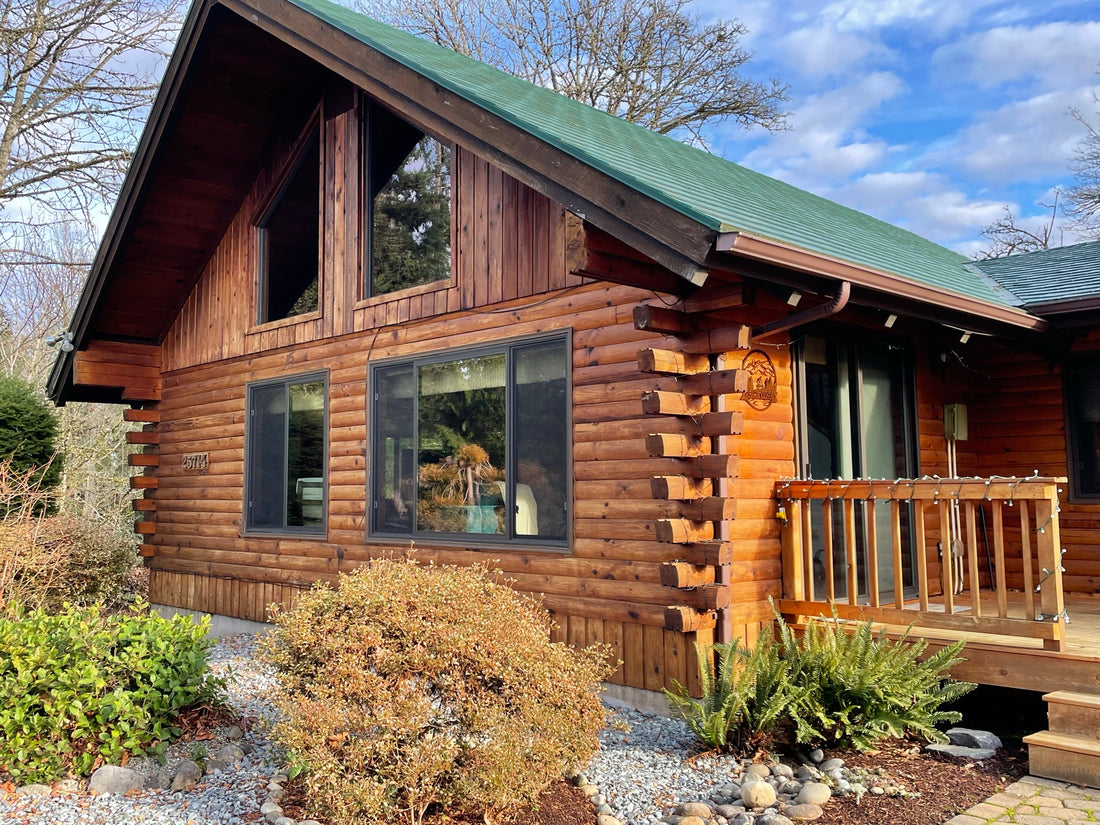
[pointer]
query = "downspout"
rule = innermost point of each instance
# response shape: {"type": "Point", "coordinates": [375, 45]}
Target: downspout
{"type": "Point", "coordinates": [806, 316]}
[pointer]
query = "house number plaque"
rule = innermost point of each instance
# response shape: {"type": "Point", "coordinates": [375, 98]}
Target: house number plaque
{"type": "Point", "coordinates": [196, 461]}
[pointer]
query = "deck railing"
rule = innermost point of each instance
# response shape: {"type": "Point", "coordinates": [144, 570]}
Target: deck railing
{"type": "Point", "coordinates": [925, 551]}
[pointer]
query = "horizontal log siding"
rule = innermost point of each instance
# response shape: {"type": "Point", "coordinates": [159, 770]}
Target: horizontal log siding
{"type": "Point", "coordinates": [609, 584]}
{"type": "Point", "coordinates": [1017, 427]}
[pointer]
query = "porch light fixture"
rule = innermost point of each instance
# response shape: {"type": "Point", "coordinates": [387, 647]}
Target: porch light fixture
{"type": "Point", "coordinates": [794, 298]}
{"type": "Point", "coordinates": [891, 319]}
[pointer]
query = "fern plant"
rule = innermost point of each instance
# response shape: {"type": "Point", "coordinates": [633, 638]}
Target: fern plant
{"type": "Point", "coordinates": [862, 687]}
{"type": "Point", "coordinates": [745, 695]}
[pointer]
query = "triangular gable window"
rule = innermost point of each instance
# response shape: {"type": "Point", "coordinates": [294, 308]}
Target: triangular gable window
{"type": "Point", "coordinates": [289, 236]}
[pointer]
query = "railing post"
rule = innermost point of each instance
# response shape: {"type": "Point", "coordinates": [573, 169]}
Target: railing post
{"type": "Point", "coordinates": [1049, 557]}
{"type": "Point", "coordinates": [793, 575]}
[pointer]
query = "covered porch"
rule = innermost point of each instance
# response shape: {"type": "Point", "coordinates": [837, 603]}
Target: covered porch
{"type": "Point", "coordinates": [977, 559]}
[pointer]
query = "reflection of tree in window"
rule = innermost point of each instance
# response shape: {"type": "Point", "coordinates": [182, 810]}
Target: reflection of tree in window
{"type": "Point", "coordinates": [410, 196]}
{"type": "Point", "coordinates": [490, 449]}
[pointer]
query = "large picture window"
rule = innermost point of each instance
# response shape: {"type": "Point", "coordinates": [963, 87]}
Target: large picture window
{"type": "Point", "coordinates": [408, 204]}
{"type": "Point", "coordinates": [285, 485]}
{"type": "Point", "coordinates": [289, 237]}
{"type": "Point", "coordinates": [474, 443]}
{"type": "Point", "coordinates": [1082, 387]}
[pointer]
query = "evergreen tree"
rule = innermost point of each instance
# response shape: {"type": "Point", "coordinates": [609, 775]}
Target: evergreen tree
{"type": "Point", "coordinates": [28, 432]}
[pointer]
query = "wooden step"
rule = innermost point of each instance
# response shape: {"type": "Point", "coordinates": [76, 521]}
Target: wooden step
{"type": "Point", "coordinates": [1064, 757]}
{"type": "Point", "coordinates": [1077, 714]}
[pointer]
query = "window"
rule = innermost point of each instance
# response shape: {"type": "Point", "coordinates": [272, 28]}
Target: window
{"type": "Point", "coordinates": [289, 237]}
{"type": "Point", "coordinates": [474, 443]}
{"type": "Point", "coordinates": [856, 419]}
{"type": "Point", "coordinates": [408, 197]}
{"type": "Point", "coordinates": [1082, 385]}
{"type": "Point", "coordinates": [286, 449]}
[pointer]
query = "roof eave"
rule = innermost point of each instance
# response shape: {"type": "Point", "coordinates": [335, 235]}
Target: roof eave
{"type": "Point", "coordinates": [60, 381]}
{"type": "Point", "coordinates": [873, 280]}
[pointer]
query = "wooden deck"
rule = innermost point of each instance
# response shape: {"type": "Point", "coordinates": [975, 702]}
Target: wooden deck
{"type": "Point", "coordinates": [971, 559]}
{"type": "Point", "coordinates": [1010, 661]}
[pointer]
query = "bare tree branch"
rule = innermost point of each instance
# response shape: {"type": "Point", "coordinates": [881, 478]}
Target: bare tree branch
{"type": "Point", "coordinates": [653, 62]}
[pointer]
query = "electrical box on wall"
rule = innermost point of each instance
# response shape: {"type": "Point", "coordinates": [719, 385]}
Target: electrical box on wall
{"type": "Point", "coordinates": [954, 422]}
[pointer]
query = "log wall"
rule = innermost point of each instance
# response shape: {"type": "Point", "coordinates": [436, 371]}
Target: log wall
{"type": "Point", "coordinates": [1017, 428]}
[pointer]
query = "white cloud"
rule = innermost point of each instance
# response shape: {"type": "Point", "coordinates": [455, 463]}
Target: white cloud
{"type": "Point", "coordinates": [826, 141]}
{"type": "Point", "coordinates": [1043, 57]}
{"type": "Point", "coordinates": [935, 15]}
{"type": "Point", "coordinates": [923, 202]}
{"type": "Point", "coordinates": [1026, 140]}
{"type": "Point", "coordinates": [818, 52]}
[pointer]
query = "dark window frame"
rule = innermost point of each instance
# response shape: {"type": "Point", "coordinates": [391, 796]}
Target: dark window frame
{"type": "Point", "coordinates": [250, 480]}
{"type": "Point", "coordinates": [1074, 442]}
{"type": "Point", "coordinates": [509, 538]}
{"type": "Point", "coordinates": [312, 133]}
{"type": "Point", "coordinates": [367, 295]}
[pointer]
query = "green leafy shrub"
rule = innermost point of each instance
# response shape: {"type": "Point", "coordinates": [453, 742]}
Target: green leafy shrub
{"type": "Point", "coordinates": [80, 686]}
{"type": "Point", "coordinates": [863, 687]}
{"type": "Point", "coordinates": [28, 433]}
{"type": "Point", "coordinates": [415, 686]}
{"type": "Point", "coordinates": [745, 695]}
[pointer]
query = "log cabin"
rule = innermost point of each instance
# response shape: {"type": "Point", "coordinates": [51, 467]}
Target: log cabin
{"type": "Point", "coordinates": [363, 296]}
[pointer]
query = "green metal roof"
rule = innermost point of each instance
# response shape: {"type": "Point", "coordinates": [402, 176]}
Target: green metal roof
{"type": "Point", "coordinates": [718, 194]}
{"type": "Point", "coordinates": [1065, 273]}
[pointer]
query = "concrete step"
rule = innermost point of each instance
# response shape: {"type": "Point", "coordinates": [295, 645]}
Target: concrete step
{"type": "Point", "coordinates": [1074, 713]}
{"type": "Point", "coordinates": [1065, 757]}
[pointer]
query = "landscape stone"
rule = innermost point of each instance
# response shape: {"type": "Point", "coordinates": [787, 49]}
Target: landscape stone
{"type": "Point", "coordinates": [36, 789]}
{"type": "Point", "coordinates": [831, 765]}
{"type": "Point", "coordinates": [230, 754]}
{"type": "Point", "coordinates": [729, 811]}
{"type": "Point", "coordinates": [113, 779]}
{"type": "Point", "coordinates": [773, 819]}
{"type": "Point", "coordinates": [814, 793]}
{"type": "Point", "coordinates": [602, 819]}
{"type": "Point", "coordinates": [234, 733]}
{"type": "Point", "coordinates": [971, 738]}
{"type": "Point", "coordinates": [70, 786]}
{"type": "Point", "coordinates": [187, 776]}
{"type": "Point", "coordinates": [786, 771]}
{"type": "Point", "coordinates": [758, 795]}
{"type": "Point", "coordinates": [804, 813]}
{"type": "Point", "coordinates": [692, 820]}
{"type": "Point", "coordinates": [214, 765]}
{"type": "Point", "coordinates": [743, 819]}
{"type": "Point", "coordinates": [699, 809]}
{"type": "Point", "coordinates": [816, 755]}
{"type": "Point", "coordinates": [158, 782]}
{"type": "Point", "coordinates": [961, 752]}
{"type": "Point", "coordinates": [284, 820]}
{"type": "Point", "coordinates": [756, 769]}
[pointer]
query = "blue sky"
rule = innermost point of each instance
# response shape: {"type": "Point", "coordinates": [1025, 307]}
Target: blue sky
{"type": "Point", "coordinates": [931, 114]}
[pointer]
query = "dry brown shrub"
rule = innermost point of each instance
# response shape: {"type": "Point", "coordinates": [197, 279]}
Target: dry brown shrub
{"type": "Point", "coordinates": [46, 560]}
{"type": "Point", "coordinates": [415, 687]}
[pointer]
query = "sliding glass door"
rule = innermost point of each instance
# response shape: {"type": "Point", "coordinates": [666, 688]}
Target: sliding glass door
{"type": "Point", "coordinates": [856, 420]}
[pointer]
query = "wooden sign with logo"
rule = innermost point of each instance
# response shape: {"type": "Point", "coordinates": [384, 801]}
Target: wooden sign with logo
{"type": "Point", "coordinates": [763, 388]}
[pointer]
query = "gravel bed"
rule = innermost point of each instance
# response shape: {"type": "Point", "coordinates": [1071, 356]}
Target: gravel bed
{"type": "Point", "coordinates": [646, 766]}
{"type": "Point", "coordinates": [228, 797]}
{"type": "Point", "coordinates": [643, 768]}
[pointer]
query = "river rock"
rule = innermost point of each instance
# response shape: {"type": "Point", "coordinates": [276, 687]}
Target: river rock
{"type": "Point", "coordinates": [814, 793]}
{"type": "Point", "coordinates": [756, 769]}
{"type": "Point", "coordinates": [959, 752]}
{"type": "Point", "coordinates": [114, 779]}
{"type": "Point", "coordinates": [36, 789]}
{"type": "Point", "coordinates": [229, 753]}
{"type": "Point", "coordinates": [831, 765]}
{"type": "Point", "coordinates": [699, 809]}
{"type": "Point", "coordinates": [187, 775]}
{"type": "Point", "coordinates": [758, 795]}
{"type": "Point", "coordinates": [804, 813]}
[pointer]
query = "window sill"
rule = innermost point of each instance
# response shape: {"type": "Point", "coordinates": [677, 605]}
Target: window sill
{"type": "Point", "coordinates": [411, 292]}
{"type": "Point", "coordinates": [486, 547]}
{"type": "Point", "coordinates": [294, 320]}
